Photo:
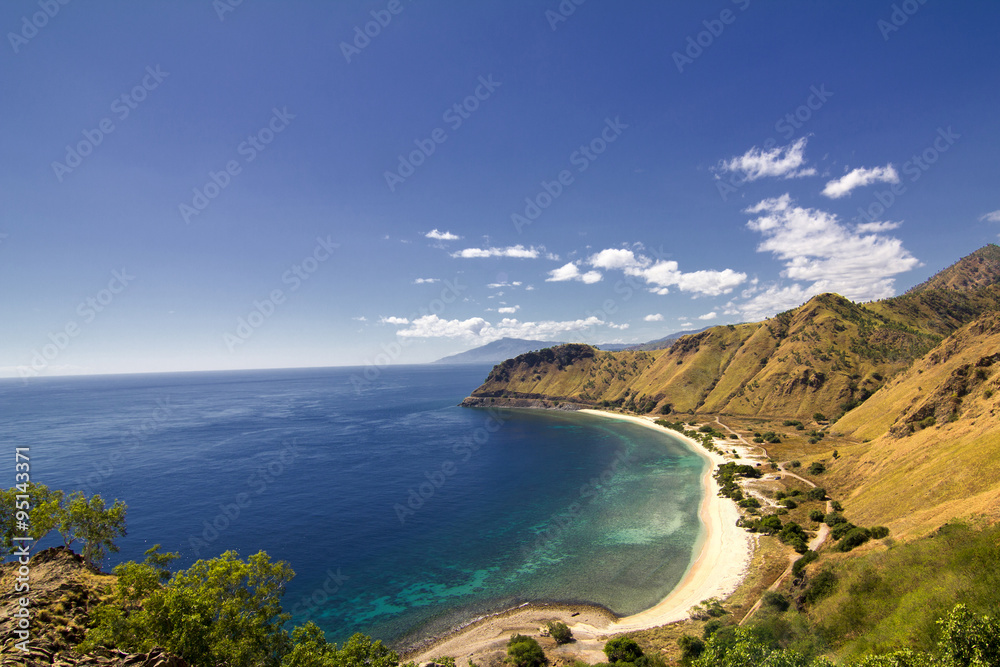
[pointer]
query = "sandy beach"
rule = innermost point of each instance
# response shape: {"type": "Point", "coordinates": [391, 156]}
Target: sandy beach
{"type": "Point", "coordinates": [724, 554]}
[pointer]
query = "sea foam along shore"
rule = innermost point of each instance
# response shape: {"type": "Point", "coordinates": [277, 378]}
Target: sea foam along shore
{"type": "Point", "coordinates": [724, 553]}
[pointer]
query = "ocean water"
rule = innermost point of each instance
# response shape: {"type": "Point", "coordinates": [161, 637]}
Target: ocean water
{"type": "Point", "coordinates": [402, 514]}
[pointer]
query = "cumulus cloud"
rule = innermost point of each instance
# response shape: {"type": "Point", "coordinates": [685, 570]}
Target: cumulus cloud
{"type": "Point", "coordinates": [571, 271]}
{"type": "Point", "coordinates": [508, 310]}
{"type": "Point", "coordinates": [860, 177]}
{"type": "Point", "coordinates": [393, 320]}
{"type": "Point", "coordinates": [781, 161]}
{"type": "Point", "coordinates": [993, 216]}
{"type": "Point", "coordinates": [708, 316]}
{"type": "Point", "coordinates": [654, 317]}
{"type": "Point", "coordinates": [442, 236]}
{"type": "Point", "coordinates": [829, 256]}
{"type": "Point", "coordinates": [618, 258]}
{"type": "Point", "coordinates": [663, 274]}
{"type": "Point", "coordinates": [424, 281]}
{"type": "Point", "coordinates": [517, 251]}
{"type": "Point", "coordinates": [478, 330]}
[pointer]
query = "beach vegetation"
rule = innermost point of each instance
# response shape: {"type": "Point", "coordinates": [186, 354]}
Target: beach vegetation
{"type": "Point", "coordinates": [706, 609]}
{"type": "Point", "coordinates": [622, 650]}
{"type": "Point", "coordinates": [560, 632]}
{"type": "Point", "coordinates": [523, 651]}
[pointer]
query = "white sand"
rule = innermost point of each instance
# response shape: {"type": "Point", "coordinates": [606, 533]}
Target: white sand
{"type": "Point", "coordinates": [721, 564]}
{"type": "Point", "coordinates": [725, 550]}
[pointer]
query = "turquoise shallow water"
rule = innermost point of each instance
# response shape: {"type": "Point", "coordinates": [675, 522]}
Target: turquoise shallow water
{"type": "Point", "coordinates": [401, 513]}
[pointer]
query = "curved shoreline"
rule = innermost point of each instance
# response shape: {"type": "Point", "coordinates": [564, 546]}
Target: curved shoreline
{"type": "Point", "coordinates": [723, 556]}
{"type": "Point", "coordinates": [725, 552]}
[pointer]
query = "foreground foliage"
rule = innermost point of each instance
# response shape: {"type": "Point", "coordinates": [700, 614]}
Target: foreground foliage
{"type": "Point", "coordinates": [222, 611]}
{"type": "Point", "coordinates": [966, 640]}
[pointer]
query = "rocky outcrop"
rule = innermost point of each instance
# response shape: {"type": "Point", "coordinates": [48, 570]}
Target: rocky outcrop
{"type": "Point", "coordinates": [65, 589]}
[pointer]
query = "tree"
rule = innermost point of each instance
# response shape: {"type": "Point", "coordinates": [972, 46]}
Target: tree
{"type": "Point", "coordinates": [560, 632]}
{"type": "Point", "coordinates": [622, 649]}
{"type": "Point", "coordinates": [817, 468]}
{"type": "Point", "coordinates": [93, 523]}
{"type": "Point", "coordinates": [44, 507]}
{"type": "Point", "coordinates": [969, 640]}
{"type": "Point", "coordinates": [219, 611]}
{"type": "Point", "coordinates": [524, 651]}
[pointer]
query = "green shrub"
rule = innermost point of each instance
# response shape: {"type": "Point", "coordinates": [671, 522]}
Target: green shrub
{"type": "Point", "coordinates": [817, 468]}
{"type": "Point", "coordinates": [560, 632]}
{"type": "Point", "coordinates": [796, 464]}
{"type": "Point", "coordinates": [816, 493]}
{"type": "Point", "coordinates": [622, 649]}
{"type": "Point", "coordinates": [524, 652]}
{"type": "Point", "coordinates": [799, 565]}
{"type": "Point", "coordinates": [855, 537]}
{"type": "Point", "coordinates": [838, 531]}
{"type": "Point", "coordinates": [819, 417]}
{"type": "Point", "coordinates": [789, 503]}
{"type": "Point", "coordinates": [816, 515]}
{"type": "Point", "coordinates": [878, 532]}
{"type": "Point", "coordinates": [691, 648]}
{"type": "Point", "coordinates": [775, 601]}
{"type": "Point", "coordinates": [822, 585]}
{"type": "Point", "coordinates": [833, 518]}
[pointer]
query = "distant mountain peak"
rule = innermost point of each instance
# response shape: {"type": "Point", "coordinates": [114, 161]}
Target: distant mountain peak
{"type": "Point", "coordinates": [979, 269]}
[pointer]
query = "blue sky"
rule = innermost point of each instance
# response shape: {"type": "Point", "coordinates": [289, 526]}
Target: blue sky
{"type": "Point", "coordinates": [212, 185]}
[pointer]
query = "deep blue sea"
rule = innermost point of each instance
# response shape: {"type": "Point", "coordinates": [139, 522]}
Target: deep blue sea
{"type": "Point", "coordinates": [402, 514]}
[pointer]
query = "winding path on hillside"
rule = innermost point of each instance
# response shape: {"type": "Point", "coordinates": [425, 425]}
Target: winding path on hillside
{"type": "Point", "coordinates": [814, 544]}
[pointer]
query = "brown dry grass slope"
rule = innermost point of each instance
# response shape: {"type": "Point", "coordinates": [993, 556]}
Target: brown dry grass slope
{"type": "Point", "coordinates": [934, 431]}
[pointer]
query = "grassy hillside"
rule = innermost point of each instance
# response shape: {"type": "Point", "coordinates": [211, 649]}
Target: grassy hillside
{"type": "Point", "coordinates": [826, 356]}
{"type": "Point", "coordinates": [930, 447]}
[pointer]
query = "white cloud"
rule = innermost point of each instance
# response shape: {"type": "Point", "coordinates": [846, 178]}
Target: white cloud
{"type": "Point", "coordinates": [993, 216]}
{"type": "Point", "coordinates": [516, 283]}
{"type": "Point", "coordinates": [662, 274]}
{"type": "Point", "coordinates": [360, 318]}
{"type": "Point", "coordinates": [572, 272]}
{"type": "Point", "coordinates": [612, 258]}
{"type": "Point", "coordinates": [478, 330]}
{"type": "Point", "coordinates": [783, 161]}
{"type": "Point", "coordinates": [869, 227]}
{"type": "Point", "coordinates": [508, 310]}
{"type": "Point", "coordinates": [393, 320]}
{"type": "Point", "coordinates": [818, 249]}
{"type": "Point", "coordinates": [708, 316]}
{"type": "Point", "coordinates": [860, 177]}
{"type": "Point", "coordinates": [655, 317]}
{"type": "Point", "coordinates": [424, 281]}
{"type": "Point", "coordinates": [442, 236]}
{"type": "Point", "coordinates": [517, 251]}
